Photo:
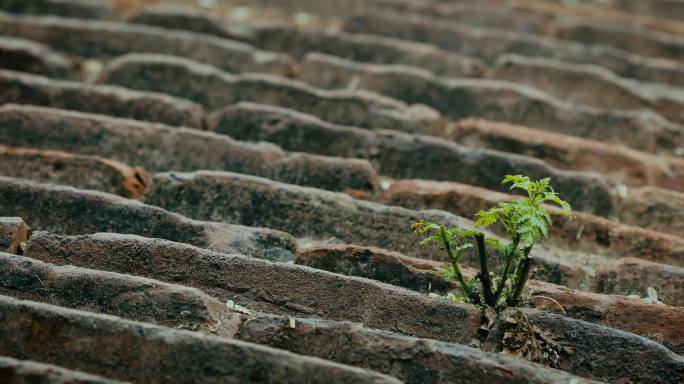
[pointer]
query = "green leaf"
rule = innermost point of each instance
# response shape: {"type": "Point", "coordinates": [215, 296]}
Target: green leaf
{"type": "Point", "coordinates": [564, 205]}
{"type": "Point", "coordinates": [493, 243]}
{"type": "Point", "coordinates": [539, 224]}
{"type": "Point", "coordinates": [448, 273]}
{"type": "Point", "coordinates": [430, 239]}
{"type": "Point", "coordinates": [460, 249]}
{"type": "Point", "coordinates": [459, 233]}
{"type": "Point", "coordinates": [422, 227]}
{"type": "Point", "coordinates": [518, 181]}
{"type": "Point", "coordinates": [487, 218]}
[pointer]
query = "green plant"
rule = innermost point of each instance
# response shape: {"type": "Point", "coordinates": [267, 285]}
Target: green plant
{"type": "Point", "coordinates": [525, 220]}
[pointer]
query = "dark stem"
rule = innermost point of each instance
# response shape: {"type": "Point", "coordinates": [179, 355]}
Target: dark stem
{"type": "Point", "coordinates": [484, 271]}
{"type": "Point", "coordinates": [504, 274]}
{"type": "Point", "coordinates": [522, 275]}
{"type": "Point", "coordinates": [454, 263]}
{"type": "Point", "coordinates": [510, 255]}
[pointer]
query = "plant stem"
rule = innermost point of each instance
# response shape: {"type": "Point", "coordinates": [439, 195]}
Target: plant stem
{"type": "Point", "coordinates": [522, 275]}
{"type": "Point", "coordinates": [504, 274]}
{"type": "Point", "coordinates": [484, 271]}
{"type": "Point", "coordinates": [510, 255]}
{"type": "Point", "coordinates": [454, 263]}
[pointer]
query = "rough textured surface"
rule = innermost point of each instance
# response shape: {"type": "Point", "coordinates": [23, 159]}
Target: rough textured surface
{"type": "Point", "coordinates": [633, 168]}
{"type": "Point", "coordinates": [368, 48]}
{"type": "Point", "coordinates": [214, 89]}
{"type": "Point", "coordinates": [409, 359]}
{"type": "Point", "coordinates": [416, 274]}
{"type": "Point", "coordinates": [106, 39]}
{"type": "Point", "coordinates": [636, 33]}
{"type": "Point", "coordinates": [315, 214]}
{"type": "Point", "coordinates": [162, 148]}
{"type": "Point", "coordinates": [489, 44]}
{"type": "Point", "coordinates": [68, 8]}
{"type": "Point", "coordinates": [635, 276]}
{"type": "Point", "coordinates": [140, 352]}
{"type": "Point", "coordinates": [631, 38]}
{"type": "Point", "coordinates": [590, 85]}
{"type": "Point", "coordinates": [599, 117]}
{"type": "Point", "coordinates": [666, 9]}
{"type": "Point", "coordinates": [654, 208]}
{"type": "Point", "coordinates": [13, 371]}
{"type": "Point", "coordinates": [264, 286]}
{"type": "Point", "coordinates": [22, 88]}
{"type": "Point", "coordinates": [186, 18]}
{"type": "Point", "coordinates": [13, 232]}
{"type": "Point", "coordinates": [656, 322]}
{"type": "Point", "coordinates": [87, 172]}
{"type": "Point", "coordinates": [510, 16]}
{"type": "Point", "coordinates": [492, 99]}
{"type": "Point", "coordinates": [376, 264]}
{"type": "Point", "coordinates": [401, 155]}
{"type": "Point", "coordinates": [618, 12]}
{"type": "Point", "coordinates": [29, 56]}
{"type": "Point", "coordinates": [585, 232]}
{"type": "Point", "coordinates": [303, 132]}
{"type": "Point", "coordinates": [126, 296]}
{"type": "Point", "coordinates": [600, 352]}
{"type": "Point", "coordinates": [303, 212]}
{"type": "Point", "coordinates": [71, 211]}
{"type": "Point", "coordinates": [659, 323]}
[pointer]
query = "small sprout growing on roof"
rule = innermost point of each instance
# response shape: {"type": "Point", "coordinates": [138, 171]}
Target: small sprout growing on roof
{"type": "Point", "coordinates": [525, 220]}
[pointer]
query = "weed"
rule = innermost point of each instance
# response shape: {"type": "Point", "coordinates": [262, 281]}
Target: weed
{"type": "Point", "coordinates": [525, 220]}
